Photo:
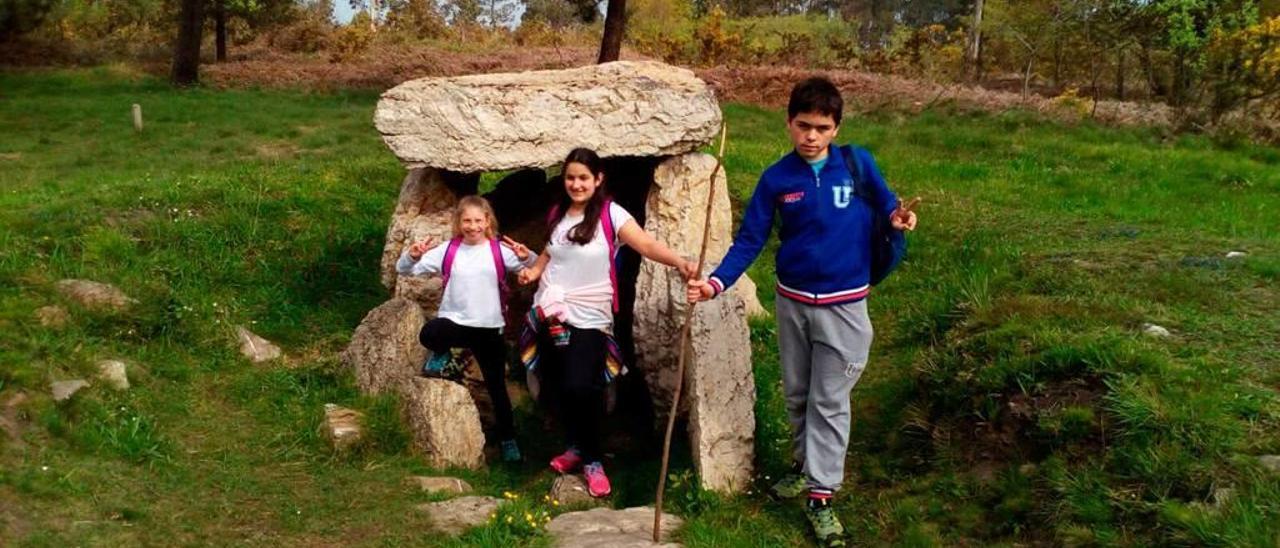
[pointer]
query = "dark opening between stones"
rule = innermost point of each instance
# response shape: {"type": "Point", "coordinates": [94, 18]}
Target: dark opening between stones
{"type": "Point", "coordinates": [521, 201]}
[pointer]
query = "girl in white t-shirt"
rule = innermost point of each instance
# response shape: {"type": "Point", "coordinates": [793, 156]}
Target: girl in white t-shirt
{"type": "Point", "coordinates": [575, 303]}
{"type": "Point", "coordinates": [474, 266]}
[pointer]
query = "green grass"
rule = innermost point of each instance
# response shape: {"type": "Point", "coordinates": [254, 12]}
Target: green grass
{"type": "Point", "coordinates": [1012, 398]}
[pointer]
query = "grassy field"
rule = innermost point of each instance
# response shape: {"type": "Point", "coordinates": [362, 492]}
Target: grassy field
{"type": "Point", "coordinates": [1012, 396]}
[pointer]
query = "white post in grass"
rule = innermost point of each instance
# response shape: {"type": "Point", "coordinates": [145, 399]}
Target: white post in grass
{"type": "Point", "coordinates": [137, 117]}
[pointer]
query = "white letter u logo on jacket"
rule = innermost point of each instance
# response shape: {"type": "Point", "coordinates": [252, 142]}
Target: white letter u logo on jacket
{"type": "Point", "coordinates": [842, 195]}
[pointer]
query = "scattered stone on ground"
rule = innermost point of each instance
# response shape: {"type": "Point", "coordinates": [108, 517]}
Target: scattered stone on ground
{"type": "Point", "coordinates": [114, 374]}
{"type": "Point", "coordinates": [384, 352]}
{"type": "Point", "coordinates": [256, 348]}
{"type": "Point", "coordinates": [52, 316]}
{"type": "Point", "coordinates": [63, 390]}
{"type": "Point", "coordinates": [1236, 254]}
{"type": "Point", "coordinates": [1222, 496]}
{"type": "Point", "coordinates": [609, 528]}
{"type": "Point", "coordinates": [444, 423]}
{"type": "Point", "coordinates": [571, 490]}
{"type": "Point", "coordinates": [1153, 330]}
{"type": "Point", "coordinates": [91, 294]}
{"type": "Point", "coordinates": [440, 484]}
{"type": "Point", "coordinates": [10, 424]}
{"type": "Point", "coordinates": [1270, 462]}
{"type": "Point", "coordinates": [342, 426]}
{"type": "Point", "coordinates": [456, 515]}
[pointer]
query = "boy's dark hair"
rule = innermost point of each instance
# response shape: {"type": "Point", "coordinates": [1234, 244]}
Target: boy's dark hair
{"type": "Point", "coordinates": [818, 95]}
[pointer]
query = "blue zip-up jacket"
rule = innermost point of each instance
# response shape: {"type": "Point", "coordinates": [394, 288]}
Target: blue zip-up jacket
{"type": "Point", "coordinates": [825, 256]}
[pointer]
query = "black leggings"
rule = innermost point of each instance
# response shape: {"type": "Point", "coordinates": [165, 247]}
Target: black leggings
{"type": "Point", "coordinates": [573, 382]}
{"type": "Point", "coordinates": [486, 344]}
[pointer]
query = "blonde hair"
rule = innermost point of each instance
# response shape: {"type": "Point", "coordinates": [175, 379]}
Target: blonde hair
{"type": "Point", "coordinates": [478, 203]}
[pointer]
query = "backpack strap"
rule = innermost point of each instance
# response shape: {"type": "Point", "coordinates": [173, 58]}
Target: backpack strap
{"type": "Point", "coordinates": [606, 222]}
{"type": "Point", "coordinates": [854, 164]}
{"type": "Point", "coordinates": [551, 215]}
{"type": "Point", "coordinates": [499, 268]}
{"type": "Point", "coordinates": [610, 238]}
{"type": "Point", "coordinates": [447, 267]}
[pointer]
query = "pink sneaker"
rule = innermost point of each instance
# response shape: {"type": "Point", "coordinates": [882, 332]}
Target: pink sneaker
{"type": "Point", "coordinates": [566, 462]}
{"type": "Point", "coordinates": [597, 482]}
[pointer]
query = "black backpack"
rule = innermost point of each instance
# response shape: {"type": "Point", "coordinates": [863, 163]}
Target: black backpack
{"type": "Point", "coordinates": [888, 245]}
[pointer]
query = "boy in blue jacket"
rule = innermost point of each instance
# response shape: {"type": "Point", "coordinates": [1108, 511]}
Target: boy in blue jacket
{"type": "Point", "coordinates": [823, 269]}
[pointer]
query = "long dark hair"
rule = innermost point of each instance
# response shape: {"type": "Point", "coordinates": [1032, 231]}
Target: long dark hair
{"type": "Point", "coordinates": [582, 233]}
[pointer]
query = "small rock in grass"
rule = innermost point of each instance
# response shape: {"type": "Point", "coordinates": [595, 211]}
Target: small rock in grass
{"type": "Point", "coordinates": [52, 316]}
{"type": "Point", "coordinates": [571, 490]}
{"type": "Point", "coordinates": [632, 527]}
{"type": "Point", "coordinates": [91, 294]}
{"type": "Point", "coordinates": [63, 390]}
{"type": "Point", "coordinates": [10, 418]}
{"type": "Point", "coordinates": [454, 516]}
{"type": "Point", "coordinates": [1270, 462]}
{"type": "Point", "coordinates": [1236, 254]}
{"type": "Point", "coordinates": [113, 372]}
{"type": "Point", "coordinates": [342, 426]}
{"type": "Point", "coordinates": [256, 348]}
{"type": "Point", "coordinates": [1153, 330]}
{"type": "Point", "coordinates": [1222, 495]}
{"type": "Point", "coordinates": [440, 484]}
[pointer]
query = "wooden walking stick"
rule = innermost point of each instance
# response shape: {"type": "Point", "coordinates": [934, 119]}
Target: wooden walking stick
{"type": "Point", "coordinates": [684, 341]}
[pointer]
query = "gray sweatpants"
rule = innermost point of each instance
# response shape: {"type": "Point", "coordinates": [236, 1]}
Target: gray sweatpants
{"type": "Point", "coordinates": [824, 350]}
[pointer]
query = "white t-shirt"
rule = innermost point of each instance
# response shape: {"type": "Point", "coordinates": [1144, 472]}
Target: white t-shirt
{"type": "Point", "coordinates": [471, 298]}
{"type": "Point", "coordinates": [575, 266]}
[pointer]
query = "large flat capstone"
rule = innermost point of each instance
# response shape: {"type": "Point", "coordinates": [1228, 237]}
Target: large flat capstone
{"type": "Point", "coordinates": [490, 122]}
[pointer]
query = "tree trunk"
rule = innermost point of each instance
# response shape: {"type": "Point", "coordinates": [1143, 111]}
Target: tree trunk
{"type": "Point", "coordinates": [220, 30]}
{"type": "Point", "coordinates": [1026, 76]}
{"type": "Point", "coordinates": [186, 50]}
{"type": "Point", "coordinates": [1154, 86]}
{"type": "Point", "coordinates": [1057, 63]}
{"type": "Point", "coordinates": [1120, 75]}
{"type": "Point", "coordinates": [975, 42]}
{"type": "Point", "coordinates": [615, 26]}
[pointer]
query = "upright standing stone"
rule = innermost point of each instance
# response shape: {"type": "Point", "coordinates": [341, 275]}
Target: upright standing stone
{"type": "Point", "coordinates": [719, 385]}
{"type": "Point", "coordinates": [384, 351]}
{"type": "Point", "coordinates": [674, 216]}
{"type": "Point", "coordinates": [444, 422]}
{"type": "Point", "coordinates": [424, 210]}
{"type": "Point", "coordinates": [722, 395]}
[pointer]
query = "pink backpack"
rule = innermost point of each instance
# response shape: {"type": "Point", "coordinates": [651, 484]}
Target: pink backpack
{"type": "Point", "coordinates": [606, 222]}
{"type": "Point", "coordinates": [499, 267]}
